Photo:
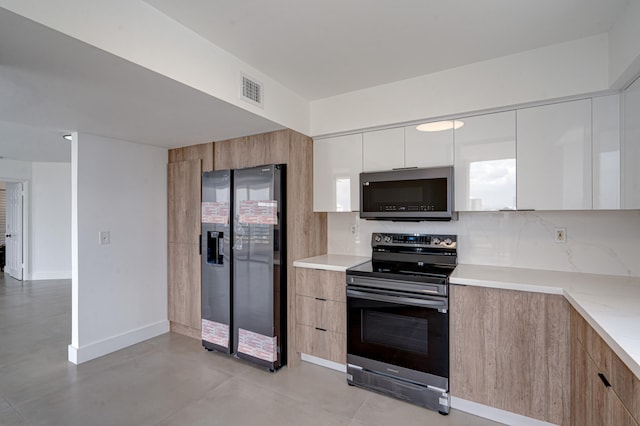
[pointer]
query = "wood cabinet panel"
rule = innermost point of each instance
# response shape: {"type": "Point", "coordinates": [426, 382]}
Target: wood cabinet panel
{"type": "Point", "coordinates": [620, 416]}
{"type": "Point", "coordinates": [184, 179]}
{"type": "Point", "coordinates": [251, 151]}
{"type": "Point", "coordinates": [184, 284]}
{"type": "Point", "coordinates": [592, 401]}
{"type": "Point", "coordinates": [593, 344]}
{"type": "Point", "coordinates": [627, 386]}
{"type": "Point", "coordinates": [330, 285]}
{"type": "Point", "coordinates": [558, 359]}
{"type": "Point", "coordinates": [321, 313]}
{"type": "Point", "coordinates": [202, 152]}
{"type": "Point", "coordinates": [324, 344]}
{"type": "Point", "coordinates": [510, 350]}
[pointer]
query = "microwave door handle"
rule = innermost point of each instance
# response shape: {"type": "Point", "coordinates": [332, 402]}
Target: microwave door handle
{"type": "Point", "coordinates": [434, 304]}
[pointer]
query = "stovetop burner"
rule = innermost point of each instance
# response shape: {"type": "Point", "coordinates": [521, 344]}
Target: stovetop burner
{"type": "Point", "coordinates": [410, 257]}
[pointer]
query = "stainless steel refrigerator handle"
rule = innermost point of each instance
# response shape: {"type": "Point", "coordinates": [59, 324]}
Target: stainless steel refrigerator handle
{"type": "Point", "coordinates": [435, 304]}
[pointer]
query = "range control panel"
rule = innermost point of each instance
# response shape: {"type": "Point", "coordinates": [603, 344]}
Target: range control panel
{"type": "Point", "coordinates": [413, 240]}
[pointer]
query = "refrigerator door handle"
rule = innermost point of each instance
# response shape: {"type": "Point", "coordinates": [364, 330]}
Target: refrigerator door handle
{"type": "Point", "coordinates": [239, 233]}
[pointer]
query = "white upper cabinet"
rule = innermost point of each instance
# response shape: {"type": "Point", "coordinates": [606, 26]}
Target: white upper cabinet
{"type": "Point", "coordinates": [606, 152]}
{"type": "Point", "coordinates": [337, 163]}
{"type": "Point", "coordinates": [485, 163]}
{"type": "Point", "coordinates": [402, 147]}
{"type": "Point", "coordinates": [631, 147]}
{"type": "Point", "coordinates": [554, 156]}
{"type": "Point", "coordinates": [383, 150]}
{"type": "Point", "coordinates": [428, 149]}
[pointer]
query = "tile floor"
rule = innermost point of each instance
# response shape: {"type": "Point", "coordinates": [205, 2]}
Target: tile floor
{"type": "Point", "coordinates": [168, 380]}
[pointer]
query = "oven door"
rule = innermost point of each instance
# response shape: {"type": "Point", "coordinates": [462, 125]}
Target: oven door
{"type": "Point", "coordinates": [393, 333]}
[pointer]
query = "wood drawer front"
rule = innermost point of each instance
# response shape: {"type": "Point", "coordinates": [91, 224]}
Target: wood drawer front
{"type": "Point", "coordinates": [327, 314]}
{"type": "Point", "coordinates": [323, 344]}
{"type": "Point", "coordinates": [627, 386]}
{"type": "Point", "coordinates": [330, 285]}
{"type": "Point", "coordinates": [593, 344]}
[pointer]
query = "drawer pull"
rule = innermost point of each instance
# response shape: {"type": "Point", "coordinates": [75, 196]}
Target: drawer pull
{"type": "Point", "coordinates": [321, 329]}
{"type": "Point", "coordinates": [321, 299]}
{"type": "Point", "coordinates": [604, 380]}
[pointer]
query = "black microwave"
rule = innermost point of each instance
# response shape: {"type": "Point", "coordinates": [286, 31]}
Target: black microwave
{"type": "Point", "coordinates": [407, 194]}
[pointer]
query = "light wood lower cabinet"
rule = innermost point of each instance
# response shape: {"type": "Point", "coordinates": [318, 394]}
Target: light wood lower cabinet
{"type": "Point", "coordinates": [321, 314]}
{"type": "Point", "coordinates": [604, 391]}
{"type": "Point", "coordinates": [184, 289]}
{"type": "Point", "coordinates": [511, 350]}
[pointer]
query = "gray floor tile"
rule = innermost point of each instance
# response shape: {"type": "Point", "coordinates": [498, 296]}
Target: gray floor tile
{"type": "Point", "coordinates": [240, 402]}
{"type": "Point", "coordinates": [169, 380]}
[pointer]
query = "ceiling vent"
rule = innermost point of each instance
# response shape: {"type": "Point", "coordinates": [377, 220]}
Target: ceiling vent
{"type": "Point", "coordinates": [251, 90]}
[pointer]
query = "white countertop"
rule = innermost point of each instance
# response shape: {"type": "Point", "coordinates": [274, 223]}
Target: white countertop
{"type": "Point", "coordinates": [610, 304]}
{"type": "Point", "coordinates": [331, 262]}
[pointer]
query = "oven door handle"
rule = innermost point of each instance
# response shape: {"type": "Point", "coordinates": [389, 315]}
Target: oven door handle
{"type": "Point", "coordinates": [434, 304]}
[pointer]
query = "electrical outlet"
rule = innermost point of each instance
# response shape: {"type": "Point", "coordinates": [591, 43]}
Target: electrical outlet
{"type": "Point", "coordinates": [105, 238]}
{"type": "Point", "coordinates": [560, 235]}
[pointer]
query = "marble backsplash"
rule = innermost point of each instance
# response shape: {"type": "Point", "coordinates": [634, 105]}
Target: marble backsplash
{"type": "Point", "coordinates": [599, 242]}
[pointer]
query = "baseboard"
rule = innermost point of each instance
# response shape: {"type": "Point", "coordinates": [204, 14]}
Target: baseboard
{"type": "Point", "coordinates": [495, 414]}
{"type": "Point", "coordinates": [78, 355]}
{"type": "Point", "coordinates": [324, 362]}
{"type": "Point", "coordinates": [50, 275]}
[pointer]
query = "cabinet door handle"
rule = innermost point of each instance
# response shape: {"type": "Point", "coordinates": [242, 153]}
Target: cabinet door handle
{"type": "Point", "coordinates": [321, 329]}
{"type": "Point", "coordinates": [604, 380]}
{"type": "Point", "coordinates": [321, 299]}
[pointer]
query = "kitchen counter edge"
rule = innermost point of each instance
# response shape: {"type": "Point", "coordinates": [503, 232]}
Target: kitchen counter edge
{"type": "Point", "coordinates": [331, 262]}
{"type": "Point", "coordinates": [609, 303]}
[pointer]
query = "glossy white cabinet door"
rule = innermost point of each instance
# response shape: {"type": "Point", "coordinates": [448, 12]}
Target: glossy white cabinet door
{"type": "Point", "coordinates": [383, 150]}
{"type": "Point", "coordinates": [337, 163]}
{"type": "Point", "coordinates": [554, 156]}
{"type": "Point", "coordinates": [427, 149]}
{"type": "Point", "coordinates": [606, 152]}
{"type": "Point", "coordinates": [485, 166]}
{"type": "Point", "coordinates": [631, 147]}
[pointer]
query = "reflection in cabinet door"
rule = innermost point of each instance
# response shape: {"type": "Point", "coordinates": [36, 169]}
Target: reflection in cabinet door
{"type": "Point", "coordinates": [427, 149]}
{"type": "Point", "coordinates": [337, 163]}
{"type": "Point", "coordinates": [383, 150]}
{"type": "Point", "coordinates": [485, 163]}
{"type": "Point", "coordinates": [554, 156]}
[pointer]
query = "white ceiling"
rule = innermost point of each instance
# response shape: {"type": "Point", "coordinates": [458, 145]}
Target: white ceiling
{"type": "Point", "coordinates": [51, 84]}
{"type": "Point", "coordinates": [324, 48]}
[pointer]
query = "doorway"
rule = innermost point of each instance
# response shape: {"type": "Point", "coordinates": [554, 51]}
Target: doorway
{"type": "Point", "coordinates": [3, 210]}
{"type": "Point", "coordinates": [11, 225]}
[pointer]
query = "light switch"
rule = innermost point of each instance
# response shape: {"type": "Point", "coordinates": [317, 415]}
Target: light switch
{"type": "Point", "coordinates": [105, 238]}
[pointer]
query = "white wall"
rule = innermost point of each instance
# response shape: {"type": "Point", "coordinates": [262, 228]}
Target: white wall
{"type": "Point", "coordinates": [50, 246]}
{"type": "Point", "coordinates": [600, 242]}
{"type": "Point", "coordinates": [119, 291]}
{"type": "Point", "coordinates": [561, 70]}
{"type": "Point", "coordinates": [624, 46]}
{"type": "Point", "coordinates": [136, 31]}
{"type": "Point", "coordinates": [12, 170]}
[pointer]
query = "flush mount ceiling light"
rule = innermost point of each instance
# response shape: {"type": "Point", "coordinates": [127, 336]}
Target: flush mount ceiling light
{"type": "Point", "coordinates": [438, 126]}
{"type": "Point", "coordinates": [67, 137]}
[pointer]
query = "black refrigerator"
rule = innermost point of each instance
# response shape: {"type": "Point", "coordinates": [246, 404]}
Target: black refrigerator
{"type": "Point", "coordinates": [244, 272]}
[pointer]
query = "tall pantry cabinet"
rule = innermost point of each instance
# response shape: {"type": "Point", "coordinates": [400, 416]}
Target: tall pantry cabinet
{"type": "Point", "coordinates": [184, 176]}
